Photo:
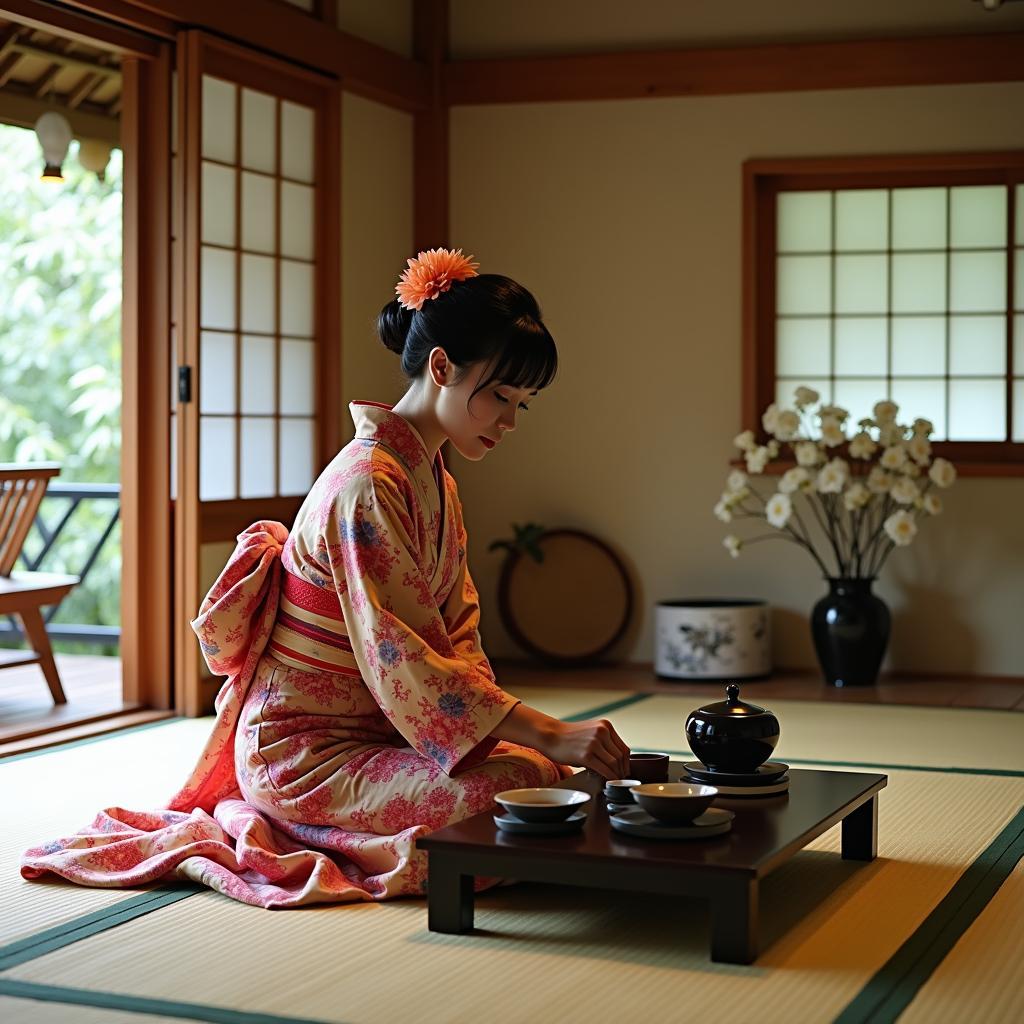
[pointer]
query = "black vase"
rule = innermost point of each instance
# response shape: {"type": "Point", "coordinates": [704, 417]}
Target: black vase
{"type": "Point", "coordinates": [850, 626]}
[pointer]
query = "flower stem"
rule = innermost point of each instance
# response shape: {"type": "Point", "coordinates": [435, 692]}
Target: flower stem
{"type": "Point", "coordinates": [786, 533]}
{"type": "Point", "coordinates": [878, 538]}
{"type": "Point", "coordinates": [828, 534]}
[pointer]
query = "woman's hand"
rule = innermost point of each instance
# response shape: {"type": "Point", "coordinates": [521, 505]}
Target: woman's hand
{"type": "Point", "coordinates": [593, 744]}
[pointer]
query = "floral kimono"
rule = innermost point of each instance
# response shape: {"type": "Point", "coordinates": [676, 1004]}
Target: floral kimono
{"type": "Point", "coordinates": [359, 705]}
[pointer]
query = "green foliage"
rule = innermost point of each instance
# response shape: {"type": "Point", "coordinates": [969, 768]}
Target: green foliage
{"type": "Point", "coordinates": [526, 540]}
{"type": "Point", "coordinates": [60, 352]}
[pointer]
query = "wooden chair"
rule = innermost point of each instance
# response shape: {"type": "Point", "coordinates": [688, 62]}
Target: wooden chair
{"type": "Point", "coordinates": [25, 593]}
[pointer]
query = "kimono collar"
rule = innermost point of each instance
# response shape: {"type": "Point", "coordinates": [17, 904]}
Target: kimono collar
{"type": "Point", "coordinates": [376, 422]}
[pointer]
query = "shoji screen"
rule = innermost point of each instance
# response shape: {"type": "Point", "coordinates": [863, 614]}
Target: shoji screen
{"type": "Point", "coordinates": [258, 233]}
{"type": "Point", "coordinates": [901, 293]}
{"type": "Point", "coordinates": [256, 295]}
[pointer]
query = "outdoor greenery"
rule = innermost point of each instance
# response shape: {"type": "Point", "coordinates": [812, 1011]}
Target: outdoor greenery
{"type": "Point", "coordinates": [60, 353]}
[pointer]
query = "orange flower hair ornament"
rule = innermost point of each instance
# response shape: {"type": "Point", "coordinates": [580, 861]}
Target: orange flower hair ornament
{"type": "Point", "coordinates": [430, 274]}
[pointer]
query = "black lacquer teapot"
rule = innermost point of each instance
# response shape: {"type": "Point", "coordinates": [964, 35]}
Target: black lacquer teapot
{"type": "Point", "coordinates": [730, 735]}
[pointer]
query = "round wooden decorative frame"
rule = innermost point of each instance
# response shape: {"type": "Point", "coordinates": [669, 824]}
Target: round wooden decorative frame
{"type": "Point", "coordinates": [532, 647]}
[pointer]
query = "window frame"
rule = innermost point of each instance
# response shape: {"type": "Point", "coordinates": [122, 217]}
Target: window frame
{"type": "Point", "coordinates": [764, 179]}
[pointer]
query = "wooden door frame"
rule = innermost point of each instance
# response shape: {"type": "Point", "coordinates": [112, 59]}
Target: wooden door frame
{"type": "Point", "coordinates": [196, 522]}
{"type": "Point", "coordinates": [147, 581]}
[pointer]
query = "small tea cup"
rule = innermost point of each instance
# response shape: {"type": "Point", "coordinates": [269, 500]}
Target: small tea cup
{"type": "Point", "coordinates": [649, 767]}
{"type": "Point", "coordinates": [618, 790]}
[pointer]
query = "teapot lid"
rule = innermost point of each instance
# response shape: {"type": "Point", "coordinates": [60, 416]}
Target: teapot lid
{"type": "Point", "coordinates": [733, 706]}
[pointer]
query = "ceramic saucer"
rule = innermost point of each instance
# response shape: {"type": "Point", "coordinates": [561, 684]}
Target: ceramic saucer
{"type": "Point", "coordinates": [615, 798]}
{"type": "Point", "coordinates": [541, 828]}
{"type": "Point", "coordinates": [751, 792]}
{"type": "Point", "coordinates": [614, 807]}
{"type": "Point", "coordinates": [769, 772]}
{"type": "Point", "coordinates": [635, 821]}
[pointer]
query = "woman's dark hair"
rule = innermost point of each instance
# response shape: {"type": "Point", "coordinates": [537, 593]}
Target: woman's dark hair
{"type": "Point", "coordinates": [488, 318]}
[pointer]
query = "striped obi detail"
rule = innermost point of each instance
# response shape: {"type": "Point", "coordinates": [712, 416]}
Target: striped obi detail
{"type": "Point", "coordinates": [309, 632]}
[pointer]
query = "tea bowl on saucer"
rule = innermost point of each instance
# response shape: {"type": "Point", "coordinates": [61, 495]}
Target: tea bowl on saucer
{"type": "Point", "coordinates": [618, 790]}
{"type": "Point", "coordinates": [674, 802]}
{"type": "Point", "coordinates": [538, 803]}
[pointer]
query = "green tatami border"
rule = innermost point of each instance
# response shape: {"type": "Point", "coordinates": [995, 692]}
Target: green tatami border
{"type": "Point", "coordinates": [41, 943]}
{"type": "Point", "coordinates": [894, 986]}
{"type": "Point", "coordinates": [606, 709]}
{"type": "Point", "coordinates": [141, 1004]}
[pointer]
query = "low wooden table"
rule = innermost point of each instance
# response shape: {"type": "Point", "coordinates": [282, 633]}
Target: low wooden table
{"type": "Point", "coordinates": [725, 869]}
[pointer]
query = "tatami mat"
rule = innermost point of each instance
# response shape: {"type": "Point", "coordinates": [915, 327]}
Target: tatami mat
{"type": "Point", "coordinates": [21, 1011]}
{"type": "Point", "coordinates": [562, 954]}
{"type": "Point", "coordinates": [546, 953]}
{"type": "Point", "coordinates": [565, 703]}
{"type": "Point", "coordinates": [982, 978]}
{"type": "Point", "coordinates": [56, 793]}
{"type": "Point", "coordinates": [874, 734]}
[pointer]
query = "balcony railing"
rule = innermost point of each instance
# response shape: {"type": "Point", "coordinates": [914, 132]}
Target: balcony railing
{"type": "Point", "coordinates": [75, 495]}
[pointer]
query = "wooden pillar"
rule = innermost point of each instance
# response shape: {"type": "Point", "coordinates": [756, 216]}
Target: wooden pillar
{"type": "Point", "coordinates": [146, 581]}
{"type": "Point", "coordinates": [430, 129]}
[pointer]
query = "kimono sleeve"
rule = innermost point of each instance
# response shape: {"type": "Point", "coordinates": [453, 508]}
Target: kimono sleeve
{"type": "Point", "coordinates": [442, 703]}
{"type": "Point", "coordinates": [461, 610]}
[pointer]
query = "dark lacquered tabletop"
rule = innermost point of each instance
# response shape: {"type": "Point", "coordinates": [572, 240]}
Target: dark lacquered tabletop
{"type": "Point", "coordinates": [765, 831]}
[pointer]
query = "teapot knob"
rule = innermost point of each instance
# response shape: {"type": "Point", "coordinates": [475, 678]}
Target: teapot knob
{"type": "Point", "coordinates": [734, 693]}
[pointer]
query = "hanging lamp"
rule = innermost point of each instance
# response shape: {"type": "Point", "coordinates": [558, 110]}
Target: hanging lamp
{"type": "Point", "coordinates": [54, 135]}
{"type": "Point", "coordinates": [94, 155]}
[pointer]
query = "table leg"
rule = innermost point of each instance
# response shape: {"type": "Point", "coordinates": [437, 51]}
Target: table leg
{"type": "Point", "coordinates": [860, 832]}
{"type": "Point", "coordinates": [449, 896]}
{"type": "Point", "coordinates": [734, 922]}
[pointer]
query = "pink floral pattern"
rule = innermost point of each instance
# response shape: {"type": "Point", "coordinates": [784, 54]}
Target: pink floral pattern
{"type": "Point", "coordinates": [314, 786]}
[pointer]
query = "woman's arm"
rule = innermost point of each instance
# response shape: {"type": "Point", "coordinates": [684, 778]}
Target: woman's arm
{"type": "Point", "coordinates": [443, 705]}
{"type": "Point", "coordinates": [593, 744]}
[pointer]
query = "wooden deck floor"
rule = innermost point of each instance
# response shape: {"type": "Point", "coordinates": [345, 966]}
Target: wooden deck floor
{"type": "Point", "coordinates": [91, 683]}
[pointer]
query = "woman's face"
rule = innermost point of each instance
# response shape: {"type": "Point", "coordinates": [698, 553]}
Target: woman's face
{"type": "Point", "coordinates": [474, 425]}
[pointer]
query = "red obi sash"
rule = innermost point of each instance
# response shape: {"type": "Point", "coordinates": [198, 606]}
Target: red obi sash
{"type": "Point", "coordinates": [310, 630]}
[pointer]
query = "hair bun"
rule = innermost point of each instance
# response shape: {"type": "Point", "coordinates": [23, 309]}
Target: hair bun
{"type": "Point", "coordinates": [393, 325]}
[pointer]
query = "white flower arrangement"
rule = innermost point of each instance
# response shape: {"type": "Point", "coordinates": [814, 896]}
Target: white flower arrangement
{"type": "Point", "coordinates": [866, 485]}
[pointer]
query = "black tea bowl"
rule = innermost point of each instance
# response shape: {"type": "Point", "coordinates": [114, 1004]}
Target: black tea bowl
{"type": "Point", "coordinates": [542, 804]}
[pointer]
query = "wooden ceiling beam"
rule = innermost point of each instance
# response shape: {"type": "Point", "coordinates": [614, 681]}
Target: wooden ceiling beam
{"type": "Point", "coordinates": [385, 76]}
{"type": "Point", "coordinates": [87, 84]}
{"type": "Point", "coordinates": [7, 67]}
{"type": "Point", "coordinates": [77, 62]}
{"type": "Point", "coordinates": [364, 68]}
{"type": "Point", "coordinates": [43, 16]}
{"type": "Point", "coordinates": [789, 67]}
{"type": "Point", "coordinates": [8, 37]}
{"type": "Point", "coordinates": [44, 83]}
